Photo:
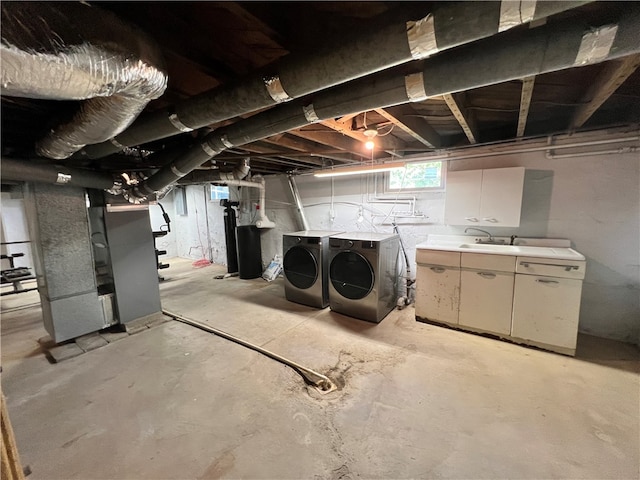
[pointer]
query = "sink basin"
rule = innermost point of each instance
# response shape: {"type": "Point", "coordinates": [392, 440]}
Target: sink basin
{"type": "Point", "coordinates": [488, 247]}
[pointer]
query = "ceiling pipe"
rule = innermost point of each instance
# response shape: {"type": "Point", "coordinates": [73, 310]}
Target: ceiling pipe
{"type": "Point", "coordinates": [487, 62]}
{"type": "Point", "coordinates": [73, 51]}
{"type": "Point", "coordinates": [200, 177]}
{"type": "Point", "coordinates": [36, 171]}
{"type": "Point", "coordinates": [448, 25]}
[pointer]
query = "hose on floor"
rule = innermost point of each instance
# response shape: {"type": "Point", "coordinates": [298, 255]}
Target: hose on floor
{"type": "Point", "coordinates": [320, 382]}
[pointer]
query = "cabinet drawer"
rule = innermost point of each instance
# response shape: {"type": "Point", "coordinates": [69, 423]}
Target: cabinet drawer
{"type": "Point", "coordinates": [483, 261]}
{"type": "Point", "coordinates": [550, 267]}
{"type": "Point", "coordinates": [438, 257]}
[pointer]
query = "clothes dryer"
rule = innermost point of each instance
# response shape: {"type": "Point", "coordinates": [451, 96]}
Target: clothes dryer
{"type": "Point", "coordinates": [305, 264]}
{"type": "Point", "coordinates": [363, 274]}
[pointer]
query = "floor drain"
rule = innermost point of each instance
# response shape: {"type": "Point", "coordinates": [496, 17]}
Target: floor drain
{"type": "Point", "coordinates": [325, 386]}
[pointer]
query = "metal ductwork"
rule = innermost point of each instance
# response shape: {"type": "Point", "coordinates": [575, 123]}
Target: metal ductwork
{"type": "Point", "coordinates": [37, 171]}
{"type": "Point", "coordinates": [448, 25]}
{"type": "Point", "coordinates": [491, 61]}
{"type": "Point", "coordinates": [73, 51]}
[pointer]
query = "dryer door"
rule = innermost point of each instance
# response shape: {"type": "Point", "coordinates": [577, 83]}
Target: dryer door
{"type": "Point", "coordinates": [351, 275]}
{"type": "Point", "coordinates": [300, 267]}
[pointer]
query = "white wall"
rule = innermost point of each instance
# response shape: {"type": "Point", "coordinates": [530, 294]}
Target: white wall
{"type": "Point", "coordinates": [13, 228]}
{"type": "Point", "coordinates": [592, 200]}
{"type": "Point", "coordinates": [190, 238]}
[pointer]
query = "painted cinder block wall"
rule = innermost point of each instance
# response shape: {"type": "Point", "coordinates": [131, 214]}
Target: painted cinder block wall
{"type": "Point", "coordinates": [593, 200]}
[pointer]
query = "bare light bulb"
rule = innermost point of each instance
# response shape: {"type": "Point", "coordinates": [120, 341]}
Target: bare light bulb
{"type": "Point", "coordinates": [369, 144]}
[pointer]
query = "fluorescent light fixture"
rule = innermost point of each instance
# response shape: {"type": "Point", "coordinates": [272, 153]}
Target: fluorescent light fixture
{"type": "Point", "coordinates": [360, 169]}
{"type": "Point", "coordinates": [124, 207]}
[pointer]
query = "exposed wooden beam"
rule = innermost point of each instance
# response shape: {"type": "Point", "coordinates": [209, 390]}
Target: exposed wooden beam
{"type": "Point", "coordinates": [404, 117]}
{"type": "Point", "coordinates": [610, 78]}
{"type": "Point", "coordinates": [346, 118]}
{"type": "Point", "coordinates": [268, 154]}
{"type": "Point", "coordinates": [525, 102]}
{"type": "Point", "coordinates": [391, 145]}
{"type": "Point", "coordinates": [334, 140]}
{"type": "Point", "coordinates": [248, 18]}
{"type": "Point", "coordinates": [457, 104]}
{"type": "Point", "coordinates": [303, 145]}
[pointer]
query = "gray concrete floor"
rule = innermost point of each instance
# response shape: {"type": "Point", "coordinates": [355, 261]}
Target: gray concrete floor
{"type": "Point", "coordinates": [416, 401]}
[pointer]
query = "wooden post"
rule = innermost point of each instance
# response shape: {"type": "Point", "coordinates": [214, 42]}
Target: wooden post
{"type": "Point", "coordinates": [11, 466]}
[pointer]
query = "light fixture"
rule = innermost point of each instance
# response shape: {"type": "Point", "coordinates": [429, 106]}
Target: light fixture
{"type": "Point", "coordinates": [360, 169]}
{"type": "Point", "coordinates": [370, 134]}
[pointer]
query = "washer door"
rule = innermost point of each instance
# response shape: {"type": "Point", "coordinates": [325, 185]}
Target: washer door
{"type": "Point", "coordinates": [351, 275]}
{"type": "Point", "coordinates": [300, 267]}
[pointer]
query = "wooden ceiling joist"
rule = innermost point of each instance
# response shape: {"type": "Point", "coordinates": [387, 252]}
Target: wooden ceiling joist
{"type": "Point", "coordinates": [390, 144]}
{"type": "Point", "coordinates": [606, 83]}
{"type": "Point", "coordinates": [302, 145]}
{"type": "Point", "coordinates": [457, 104]}
{"type": "Point", "coordinates": [404, 117]}
{"type": "Point", "coordinates": [525, 103]}
{"type": "Point", "coordinates": [267, 155]}
{"type": "Point", "coordinates": [332, 139]}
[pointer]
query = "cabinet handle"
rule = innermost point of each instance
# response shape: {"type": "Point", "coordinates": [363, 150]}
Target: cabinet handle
{"type": "Point", "coordinates": [490, 219]}
{"type": "Point", "coordinates": [542, 280]}
{"type": "Point", "coordinates": [568, 268]}
{"type": "Point", "coordinates": [471, 219]}
{"type": "Point", "coordinates": [438, 269]}
{"type": "Point", "coordinates": [487, 274]}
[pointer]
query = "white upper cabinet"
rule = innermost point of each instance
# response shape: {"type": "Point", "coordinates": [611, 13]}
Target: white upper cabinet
{"type": "Point", "coordinates": [484, 197]}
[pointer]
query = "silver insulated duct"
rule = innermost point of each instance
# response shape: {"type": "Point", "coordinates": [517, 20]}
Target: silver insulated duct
{"type": "Point", "coordinates": [73, 51]}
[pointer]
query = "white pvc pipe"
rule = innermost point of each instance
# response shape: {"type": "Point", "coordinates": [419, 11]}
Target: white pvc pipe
{"type": "Point", "coordinates": [552, 156]}
{"type": "Point", "coordinates": [262, 221]}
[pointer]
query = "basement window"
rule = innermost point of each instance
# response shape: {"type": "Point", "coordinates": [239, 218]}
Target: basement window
{"type": "Point", "coordinates": [180, 198]}
{"type": "Point", "coordinates": [219, 192]}
{"type": "Point", "coordinates": [417, 176]}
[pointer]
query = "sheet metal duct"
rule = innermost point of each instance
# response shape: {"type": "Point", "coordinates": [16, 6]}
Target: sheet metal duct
{"type": "Point", "coordinates": [494, 60]}
{"type": "Point", "coordinates": [73, 51]}
{"type": "Point", "coordinates": [448, 25]}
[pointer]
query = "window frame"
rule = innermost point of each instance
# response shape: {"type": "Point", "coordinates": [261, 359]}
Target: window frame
{"type": "Point", "coordinates": [212, 187]}
{"type": "Point", "coordinates": [386, 178]}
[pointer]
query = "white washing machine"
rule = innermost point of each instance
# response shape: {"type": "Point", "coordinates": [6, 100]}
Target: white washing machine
{"type": "Point", "coordinates": [305, 264]}
{"type": "Point", "coordinates": [363, 274]}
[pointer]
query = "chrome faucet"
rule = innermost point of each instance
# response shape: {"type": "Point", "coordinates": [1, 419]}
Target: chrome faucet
{"type": "Point", "coordinates": [489, 239]}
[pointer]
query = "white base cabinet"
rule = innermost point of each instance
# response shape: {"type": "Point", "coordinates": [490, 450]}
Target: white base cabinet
{"type": "Point", "coordinates": [534, 301]}
{"type": "Point", "coordinates": [485, 300]}
{"type": "Point", "coordinates": [438, 285]}
{"type": "Point", "coordinates": [438, 288]}
{"type": "Point", "coordinates": [546, 310]}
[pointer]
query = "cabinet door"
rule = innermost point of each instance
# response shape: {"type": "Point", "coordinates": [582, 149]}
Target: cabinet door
{"type": "Point", "coordinates": [462, 198]}
{"type": "Point", "coordinates": [486, 300]}
{"type": "Point", "coordinates": [501, 197]}
{"type": "Point", "coordinates": [437, 293]}
{"type": "Point", "coordinates": [546, 310]}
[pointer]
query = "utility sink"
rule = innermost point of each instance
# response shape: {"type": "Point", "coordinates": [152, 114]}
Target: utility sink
{"type": "Point", "coordinates": [489, 247]}
{"type": "Point", "coordinates": [555, 248]}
